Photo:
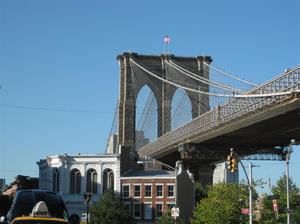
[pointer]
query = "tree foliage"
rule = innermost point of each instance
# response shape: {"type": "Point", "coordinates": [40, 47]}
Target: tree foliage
{"type": "Point", "coordinates": [268, 215]}
{"type": "Point", "coordinates": [200, 191]}
{"type": "Point", "coordinates": [223, 204]}
{"type": "Point", "coordinates": [168, 219]}
{"type": "Point", "coordinates": [109, 209]}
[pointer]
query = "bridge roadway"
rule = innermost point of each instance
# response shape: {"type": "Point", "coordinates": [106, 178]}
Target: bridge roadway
{"type": "Point", "coordinates": [249, 124]}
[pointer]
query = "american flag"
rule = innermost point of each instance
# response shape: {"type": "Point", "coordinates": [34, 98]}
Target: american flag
{"type": "Point", "coordinates": [167, 39]}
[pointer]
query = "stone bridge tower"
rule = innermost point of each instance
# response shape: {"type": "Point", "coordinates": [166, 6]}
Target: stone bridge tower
{"type": "Point", "coordinates": [132, 81]}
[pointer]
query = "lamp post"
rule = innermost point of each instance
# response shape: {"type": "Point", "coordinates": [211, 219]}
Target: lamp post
{"type": "Point", "coordinates": [87, 197]}
{"type": "Point", "coordinates": [287, 159]}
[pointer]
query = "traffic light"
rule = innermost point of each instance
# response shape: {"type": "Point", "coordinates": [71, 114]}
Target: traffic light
{"type": "Point", "coordinates": [232, 164]}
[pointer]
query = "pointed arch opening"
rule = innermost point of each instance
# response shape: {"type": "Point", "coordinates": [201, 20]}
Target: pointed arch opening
{"type": "Point", "coordinates": [146, 117]}
{"type": "Point", "coordinates": [181, 109]}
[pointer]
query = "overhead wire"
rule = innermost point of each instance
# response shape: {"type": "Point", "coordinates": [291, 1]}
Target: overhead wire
{"type": "Point", "coordinates": [229, 75]}
{"type": "Point", "coordinates": [212, 94]}
{"type": "Point", "coordinates": [201, 79]}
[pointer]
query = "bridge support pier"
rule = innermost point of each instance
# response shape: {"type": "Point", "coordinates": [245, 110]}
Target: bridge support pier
{"type": "Point", "coordinates": [203, 174]}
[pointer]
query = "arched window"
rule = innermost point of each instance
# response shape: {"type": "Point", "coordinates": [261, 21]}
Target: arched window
{"type": "Point", "coordinates": [108, 180]}
{"type": "Point", "coordinates": [55, 181]}
{"type": "Point", "coordinates": [75, 182]}
{"type": "Point", "coordinates": [91, 181]}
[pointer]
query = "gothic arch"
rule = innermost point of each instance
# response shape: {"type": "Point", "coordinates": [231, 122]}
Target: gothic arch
{"type": "Point", "coordinates": [144, 97]}
{"type": "Point", "coordinates": [133, 78]}
{"type": "Point", "coordinates": [181, 108]}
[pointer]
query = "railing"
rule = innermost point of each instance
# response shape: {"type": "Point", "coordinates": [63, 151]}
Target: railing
{"type": "Point", "coordinates": [231, 110]}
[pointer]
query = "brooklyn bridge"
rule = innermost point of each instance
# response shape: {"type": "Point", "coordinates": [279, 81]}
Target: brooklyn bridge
{"type": "Point", "coordinates": [257, 120]}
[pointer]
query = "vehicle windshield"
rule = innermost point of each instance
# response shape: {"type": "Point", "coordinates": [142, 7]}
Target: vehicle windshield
{"type": "Point", "coordinates": [26, 201]}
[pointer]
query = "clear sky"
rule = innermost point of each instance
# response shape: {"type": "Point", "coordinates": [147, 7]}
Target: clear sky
{"type": "Point", "coordinates": [60, 56]}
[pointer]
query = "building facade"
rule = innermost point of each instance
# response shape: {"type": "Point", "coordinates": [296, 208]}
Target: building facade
{"type": "Point", "coordinates": [148, 194]}
{"type": "Point", "coordinates": [222, 175]}
{"type": "Point", "coordinates": [20, 183]}
{"type": "Point", "coordinates": [73, 175]}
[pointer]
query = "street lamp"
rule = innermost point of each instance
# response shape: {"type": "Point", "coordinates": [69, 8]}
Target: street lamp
{"type": "Point", "coordinates": [87, 197]}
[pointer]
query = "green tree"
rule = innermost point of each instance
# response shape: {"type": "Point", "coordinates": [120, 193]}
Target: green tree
{"type": "Point", "coordinates": [222, 205]}
{"type": "Point", "coordinates": [109, 209]}
{"type": "Point", "coordinates": [168, 219]}
{"type": "Point", "coordinates": [268, 215]}
{"type": "Point", "coordinates": [200, 191]}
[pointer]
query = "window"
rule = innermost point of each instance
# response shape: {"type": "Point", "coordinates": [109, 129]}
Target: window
{"type": "Point", "coordinates": [148, 191]}
{"type": "Point", "coordinates": [170, 205]}
{"type": "Point", "coordinates": [75, 182]}
{"type": "Point", "coordinates": [127, 207]}
{"type": "Point", "coordinates": [108, 180]}
{"type": "Point", "coordinates": [137, 190]}
{"type": "Point", "coordinates": [137, 210]}
{"type": "Point", "coordinates": [159, 190]}
{"type": "Point", "coordinates": [170, 191]}
{"type": "Point", "coordinates": [55, 187]}
{"type": "Point", "coordinates": [147, 211]}
{"type": "Point", "coordinates": [125, 191]}
{"type": "Point", "coordinates": [91, 181]}
{"type": "Point", "coordinates": [159, 210]}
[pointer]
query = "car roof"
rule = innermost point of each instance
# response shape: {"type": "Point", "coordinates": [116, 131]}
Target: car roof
{"type": "Point", "coordinates": [39, 218]}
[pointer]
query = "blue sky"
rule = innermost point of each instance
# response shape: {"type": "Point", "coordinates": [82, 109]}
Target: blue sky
{"type": "Point", "coordinates": [62, 55]}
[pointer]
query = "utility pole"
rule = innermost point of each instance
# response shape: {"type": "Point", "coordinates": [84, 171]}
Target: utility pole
{"type": "Point", "coordinates": [287, 159]}
{"type": "Point", "coordinates": [250, 194]}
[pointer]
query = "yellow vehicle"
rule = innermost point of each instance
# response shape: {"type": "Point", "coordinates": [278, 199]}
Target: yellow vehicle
{"type": "Point", "coordinates": [38, 220]}
{"type": "Point", "coordinates": [39, 215]}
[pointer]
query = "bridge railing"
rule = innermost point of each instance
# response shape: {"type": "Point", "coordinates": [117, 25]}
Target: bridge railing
{"type": "Point", "coordinates": [289, 78]}
{"type": "Point", "coordinates": [233, 109]}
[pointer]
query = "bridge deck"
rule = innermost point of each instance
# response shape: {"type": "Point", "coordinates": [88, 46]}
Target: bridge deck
{"type": "Point", "coordinates": [249, 124]}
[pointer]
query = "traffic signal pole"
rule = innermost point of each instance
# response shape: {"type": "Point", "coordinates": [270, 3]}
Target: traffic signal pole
{"type": "Point", "coordinates": [250, 194]}
{"type": "Point", "coordinates": [249, 180]}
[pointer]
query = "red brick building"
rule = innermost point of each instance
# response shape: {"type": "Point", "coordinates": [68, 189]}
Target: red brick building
{"type": "Point", "coordinates": [21, 183]}
{"type": "Point", "coordinates": [147, 194]}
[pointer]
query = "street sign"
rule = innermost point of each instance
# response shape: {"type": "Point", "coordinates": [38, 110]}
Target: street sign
{"type": "Point", "coordinates": [273, 197]}
{"type": "Point", "coordinates": [175, 212]}
{"type": "Point", "coordinates": [275, 205]}
{"type": "Point", "coordinates": [245, 211]}
{"type": "Point", "coordinates": [289, 210]}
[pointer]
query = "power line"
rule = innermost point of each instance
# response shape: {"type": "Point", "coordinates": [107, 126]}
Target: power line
{"type": "Point", "coordinates": [53, 109]}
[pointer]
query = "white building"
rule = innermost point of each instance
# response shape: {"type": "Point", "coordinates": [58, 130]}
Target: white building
{"type": "Point", "coordinates": [74, 175]}
{"type": "Point", "coordinates": [222, 175]}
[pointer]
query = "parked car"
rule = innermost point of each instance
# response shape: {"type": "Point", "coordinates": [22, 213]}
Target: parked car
{"type": "Point", "coordinates": [25, 200]}
{"type": "Point", "coordinates": [5, 203]}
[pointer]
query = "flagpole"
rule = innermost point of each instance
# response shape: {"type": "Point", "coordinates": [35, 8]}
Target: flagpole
{"type": "Point", "coordinates": [167, 41]}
